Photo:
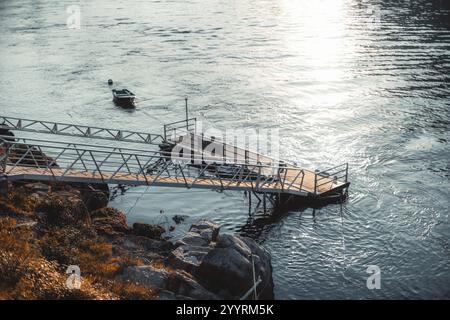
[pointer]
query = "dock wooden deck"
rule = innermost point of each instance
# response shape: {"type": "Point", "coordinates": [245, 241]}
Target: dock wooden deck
{"type": "Point", "coordinates": [290, 185]}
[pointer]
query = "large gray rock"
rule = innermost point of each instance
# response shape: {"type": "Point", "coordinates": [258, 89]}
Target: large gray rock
{"type": "Point", "coordinates": [208, 230]}
{"type": "Point", "coordinates": [194, 245]}
{"type": "Point", "coordinates": [184, 285]}
{"type": "Point", "coordinates": [227, 268]}
{"type": "Point", "coordinates": [193, 239]}
{"type": "Point", "coordinates": [173, 285]}
{"type": "Point", "coordinates": [147, 275]}
{"type": "Point", "coordinates": [187, 257]}
{"type": "Point", "coordinates": [148, 230]}
{"type": "Point", "coordinates": [160, 246]}
{"type": "Point", "coordinates": [222, 264]}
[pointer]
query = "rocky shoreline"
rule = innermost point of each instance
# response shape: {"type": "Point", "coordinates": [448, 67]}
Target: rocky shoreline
{"type": "Point", "coordinates": [47, 227]}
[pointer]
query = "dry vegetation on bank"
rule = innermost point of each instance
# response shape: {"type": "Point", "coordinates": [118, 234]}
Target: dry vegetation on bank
{"type": "Point", "coordinates": [43, 233]}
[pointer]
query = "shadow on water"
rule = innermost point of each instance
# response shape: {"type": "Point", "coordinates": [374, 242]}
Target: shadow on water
{"type": "Point", "coordinates": [261, 221]}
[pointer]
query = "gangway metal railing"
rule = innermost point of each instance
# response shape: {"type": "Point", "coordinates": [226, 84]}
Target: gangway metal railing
{"type": "Point", "coordinates": [335, 173]}
{"type": "Point", "coordinates": [236, 169]}
{"type": "Point", "coordinates": [75, 130]}
{"type": "Point", "coordinates": [173, 132]}
{"type": "Point", "coordinates": [38, 160]}
{"type": "Point", "coordinates": [178, 128]}
{"type": "Point", "coordinates": [192, 142]}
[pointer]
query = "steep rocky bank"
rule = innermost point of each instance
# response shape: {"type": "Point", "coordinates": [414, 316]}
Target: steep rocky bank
{"type": "Point", "coordinates": [47, 227]}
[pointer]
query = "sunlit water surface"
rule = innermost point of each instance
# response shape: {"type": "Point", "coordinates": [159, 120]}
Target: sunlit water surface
{"type": "Point", "coordinates": [363, 82]}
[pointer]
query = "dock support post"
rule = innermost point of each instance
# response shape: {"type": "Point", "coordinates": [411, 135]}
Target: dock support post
{"type": "Point", "coordinates": [315, 183]}
{"type": "Point", "coordinates": [187, 113]}
{"type": "Point", "coordinates": [257, 197]}
{"type": "Point", "coordinates": [249, 203]}
{"type": "Point", "coordinates": [345, 194]}
{"type": "Point", "coordinates": [264, 202]}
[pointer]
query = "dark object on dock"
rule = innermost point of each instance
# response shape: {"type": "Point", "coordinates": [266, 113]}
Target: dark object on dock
{"type": "Point", "coordinates": [228, 171]}
{"type": "Point", "coordinates": [166, 148]}
{"type": "Point", "coordinates": [123, 98]}
{"type": "Point", "coordinates": [5, 134]}
{"type": "Point", "coordinates": [110, 82]}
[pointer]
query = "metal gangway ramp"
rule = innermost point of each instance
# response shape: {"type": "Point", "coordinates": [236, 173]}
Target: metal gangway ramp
{"type": "Point", "coordinates": [89, 160]}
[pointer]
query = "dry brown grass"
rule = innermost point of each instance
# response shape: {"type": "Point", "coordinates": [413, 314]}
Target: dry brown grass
{"type": "Point", "coordinates": [97, 259]}
{"type": "Point", "coordinates": [7, 208]}
{"type": "Point", "coordinates": [22, 201]}
{"type": "Point", "coordinates": [16, 249]}
{"type": "Point", "coordinates": [33, 260]}
{"type": "Point", "coordinates": [133, 291]}
{"type": "Point", "coordinates": [24, 273]}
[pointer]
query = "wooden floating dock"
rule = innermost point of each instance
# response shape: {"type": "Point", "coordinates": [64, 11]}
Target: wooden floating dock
{"type": "Point", "coordinates": [52, 160]}
{"type": "Point", "coordinates": [32, 173]}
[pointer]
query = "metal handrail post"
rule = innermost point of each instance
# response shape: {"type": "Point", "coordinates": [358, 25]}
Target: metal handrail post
{"type": "Point", "coordinates": [315, 183]}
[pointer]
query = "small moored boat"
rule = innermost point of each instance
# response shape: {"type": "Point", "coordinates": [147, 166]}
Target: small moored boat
{"type": "Point", "coordinates": [124, 98]}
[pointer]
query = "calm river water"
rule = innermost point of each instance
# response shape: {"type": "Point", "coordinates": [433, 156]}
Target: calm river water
{"type": "Point", "coordinates": [363, 82]}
